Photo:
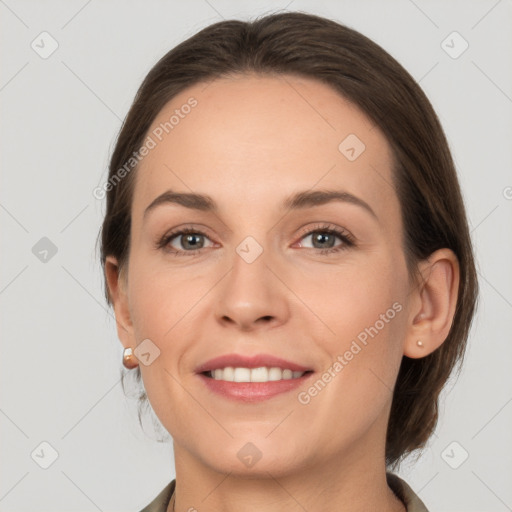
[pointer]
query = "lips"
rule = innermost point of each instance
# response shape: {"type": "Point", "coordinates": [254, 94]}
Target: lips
{"type": "Point", "coordinates": [214, 372]}
{"type": "Point", "coordinates": [256, 361]}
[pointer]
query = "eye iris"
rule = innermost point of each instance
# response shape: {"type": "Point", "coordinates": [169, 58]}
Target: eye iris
{"type": "Point", "coordinates": [320, 237]}
{"type": "Point", "coordinates": [189, 239]}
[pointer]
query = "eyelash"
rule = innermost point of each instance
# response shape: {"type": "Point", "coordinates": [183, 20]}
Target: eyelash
{"type": "Point", "coordinates": [347, 239]}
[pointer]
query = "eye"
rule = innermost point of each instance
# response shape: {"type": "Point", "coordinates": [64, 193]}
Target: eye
{"type": "Point", "coordinates": [185, 241]}
{"type": "Point", "coordinates": [323, 237]}
{"type": "Point", "coordinates": [189, 241]}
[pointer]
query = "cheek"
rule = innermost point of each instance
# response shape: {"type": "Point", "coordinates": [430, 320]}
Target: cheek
{"type": "Point", "coordinates": [352, 297]}
{"type": "Point", "coordinates": [160, 300]}
{"type": "Point", "coordinates": [161, 308]}
{"type": "Point", "coordinates": [364, 307]}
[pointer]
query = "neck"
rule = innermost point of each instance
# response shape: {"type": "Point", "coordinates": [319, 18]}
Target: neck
{"type": "Point", "coordinates": [350, 486]}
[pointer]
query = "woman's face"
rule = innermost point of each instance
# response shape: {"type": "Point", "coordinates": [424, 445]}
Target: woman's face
{"type": "Point", "coordinates": [263, 273]}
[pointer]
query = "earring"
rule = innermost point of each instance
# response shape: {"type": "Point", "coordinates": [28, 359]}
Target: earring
{"type": "Point", "coordinates": [129, 360]}
{"type": "Point", "coordinates": [419, 343]}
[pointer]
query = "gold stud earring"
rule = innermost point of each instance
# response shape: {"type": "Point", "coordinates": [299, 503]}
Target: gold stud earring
{"type": "Point", "coordinates": [129, 360]}
{"type": "Point", "coordinates": [420, 343]}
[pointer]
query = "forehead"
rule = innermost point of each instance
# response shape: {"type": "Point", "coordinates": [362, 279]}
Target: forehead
{"type": "Point", "coordinates": [247, 138]}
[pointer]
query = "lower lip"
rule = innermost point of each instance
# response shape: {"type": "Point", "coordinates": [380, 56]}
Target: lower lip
{"type": "Point", "coordinates": [252, 391]}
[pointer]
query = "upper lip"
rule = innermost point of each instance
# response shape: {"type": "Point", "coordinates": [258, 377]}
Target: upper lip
{"type": "Point", "coordinates": [255, 361]}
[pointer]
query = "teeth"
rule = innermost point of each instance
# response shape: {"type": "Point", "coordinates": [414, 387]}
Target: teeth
{"type": "Point", "coordinates": [242, 375]}
{"type": "Point", "coordinates": [262, 374]}
{"type": "Point", "coordinates": [259, 374]}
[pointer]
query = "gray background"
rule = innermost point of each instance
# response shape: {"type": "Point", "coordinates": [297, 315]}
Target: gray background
{"type": "Point", "coordinates": [60, 357]}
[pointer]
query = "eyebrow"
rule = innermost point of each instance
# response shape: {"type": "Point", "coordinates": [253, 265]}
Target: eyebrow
{"type": "Point", "coordinates": [298, 201]}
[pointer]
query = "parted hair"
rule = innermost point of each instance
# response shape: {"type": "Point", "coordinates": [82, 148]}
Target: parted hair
{"type": "Point", "coordinates": [424, 175]}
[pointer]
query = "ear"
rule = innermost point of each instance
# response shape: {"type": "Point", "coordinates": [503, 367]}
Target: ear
{"type": "Point", "coordinates": [433, 300]}
{"type": "Point", "coordinates": [118, 287]}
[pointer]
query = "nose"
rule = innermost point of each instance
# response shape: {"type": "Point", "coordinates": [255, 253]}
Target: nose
{"type": "Point", "coordinates": [252, 297]}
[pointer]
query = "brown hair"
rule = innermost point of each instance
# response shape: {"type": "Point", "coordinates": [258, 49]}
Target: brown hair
{"type": "Point", "coordinates": [424, 174]}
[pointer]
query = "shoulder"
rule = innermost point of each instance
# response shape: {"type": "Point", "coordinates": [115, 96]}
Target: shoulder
{"type": "Point", "coordinates": [405, 493]}
{"type": "Point", "coordinates": [159, 504]}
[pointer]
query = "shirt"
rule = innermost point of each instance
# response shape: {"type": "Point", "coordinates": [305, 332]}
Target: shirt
{"type": "Point", "coordinates": [397, 485]}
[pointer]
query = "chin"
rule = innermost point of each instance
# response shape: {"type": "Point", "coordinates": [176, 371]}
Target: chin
{"type": "Point", "coordinates": [253, 459]}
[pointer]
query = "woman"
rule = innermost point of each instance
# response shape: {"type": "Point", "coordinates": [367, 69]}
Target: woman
{"type": "Point", "coordinates": [287, 253]}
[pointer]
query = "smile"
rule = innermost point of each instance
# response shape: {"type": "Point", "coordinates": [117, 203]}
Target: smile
{"type": "Point", "coordinates": [261, 374]}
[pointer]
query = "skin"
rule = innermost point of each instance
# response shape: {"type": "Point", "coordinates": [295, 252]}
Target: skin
{"type": "Point", "coordinates": [251, 142]}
